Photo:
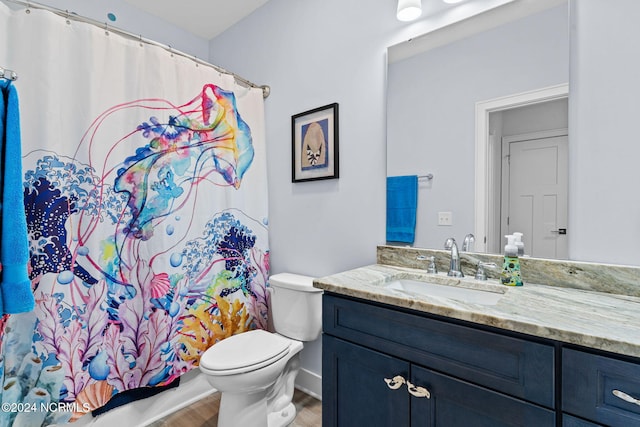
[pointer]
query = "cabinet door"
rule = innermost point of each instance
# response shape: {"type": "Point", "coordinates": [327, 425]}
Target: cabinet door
{"type": "Point", "coordinates": [600, 388]}
{"type": "Point", "coordinates": [354, 390]}
{"type": "Point", "coordinates": [456, 403]}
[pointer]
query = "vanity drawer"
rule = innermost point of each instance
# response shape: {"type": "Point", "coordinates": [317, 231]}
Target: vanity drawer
{"type": "Point", "coordinates": [510, 365]}
{"type": "Point", "coordinates": [588, 385]}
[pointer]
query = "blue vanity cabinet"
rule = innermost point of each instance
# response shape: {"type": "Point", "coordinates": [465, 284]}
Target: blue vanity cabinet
{"type": "Point", "coordinates": [384, 366]}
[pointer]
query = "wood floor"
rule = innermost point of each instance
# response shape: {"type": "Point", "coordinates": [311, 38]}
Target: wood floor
{"type": "Point", "coordinates": [204, 413]}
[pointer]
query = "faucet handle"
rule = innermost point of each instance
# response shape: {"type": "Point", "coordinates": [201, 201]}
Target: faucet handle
{"type": "Point", "coordinates": [432, 269]}
{"type": "Point", "coordinates": [480, 273]}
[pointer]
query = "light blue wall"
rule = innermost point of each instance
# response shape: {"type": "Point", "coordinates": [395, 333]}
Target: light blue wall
{"type": "Point", "coordinates": [432, 98]}
{"type": "Point", "coordinates": [313, 53]}
{"type": "Point", "coordinates": [603, 129]}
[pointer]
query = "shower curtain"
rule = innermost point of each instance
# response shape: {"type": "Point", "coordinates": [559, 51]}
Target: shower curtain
{"type": "Point", "coordinates": [146, 200]}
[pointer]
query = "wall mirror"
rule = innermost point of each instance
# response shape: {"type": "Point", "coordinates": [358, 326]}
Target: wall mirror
{"type": "Point", "coordinates": [506, 89]}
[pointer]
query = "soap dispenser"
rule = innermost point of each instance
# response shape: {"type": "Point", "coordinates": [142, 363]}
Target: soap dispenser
{"type": "Point", "coordinates": [511, 267]}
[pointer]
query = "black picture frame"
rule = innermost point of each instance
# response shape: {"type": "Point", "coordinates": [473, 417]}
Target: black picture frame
{"type": "Point", "coordinates": [314, 144]}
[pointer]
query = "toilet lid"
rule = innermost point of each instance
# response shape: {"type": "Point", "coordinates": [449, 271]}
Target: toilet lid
{"type": "Point", "coordinates": [247, 349]}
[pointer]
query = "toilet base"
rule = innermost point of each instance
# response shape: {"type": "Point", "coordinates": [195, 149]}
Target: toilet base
{"type": "Point", "coordinates": [243, 409]}
{"type": "Point", "coordinates": [249, 409]}
{"type": "Point", "coordinates": [283, 417]}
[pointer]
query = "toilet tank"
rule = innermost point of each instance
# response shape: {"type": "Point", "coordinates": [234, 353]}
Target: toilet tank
{"type": "Point", "coordinates": [296, 306]}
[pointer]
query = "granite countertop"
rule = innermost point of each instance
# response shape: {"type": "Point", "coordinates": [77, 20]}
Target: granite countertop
{"type": "Point", "coordinates": [594, 319]}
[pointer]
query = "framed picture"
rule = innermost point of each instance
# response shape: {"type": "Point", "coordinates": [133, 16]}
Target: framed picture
{"type": "Point", "coordinates": [314, 136]}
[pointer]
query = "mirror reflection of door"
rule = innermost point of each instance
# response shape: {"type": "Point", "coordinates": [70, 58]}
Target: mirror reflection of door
{"type": "Point", "coordinates": [523, 135]}
{"type": "Point", "coordinates": [535, 192]}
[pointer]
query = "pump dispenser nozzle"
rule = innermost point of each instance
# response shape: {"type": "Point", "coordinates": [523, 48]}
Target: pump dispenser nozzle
{"type": "Point", "coordinates": [519, 243]}
{"type": "Point", "coordinates": [511, 249]}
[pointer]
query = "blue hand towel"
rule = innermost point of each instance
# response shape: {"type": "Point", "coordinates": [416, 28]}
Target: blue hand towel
{"type": "Point", "coordinates": [402, 203]}
{"type": "Point", "coordinates": [17, 296]}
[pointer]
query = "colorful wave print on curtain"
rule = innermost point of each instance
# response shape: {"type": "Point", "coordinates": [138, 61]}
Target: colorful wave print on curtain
{"type": "Point", "coordinates": [147, 218]}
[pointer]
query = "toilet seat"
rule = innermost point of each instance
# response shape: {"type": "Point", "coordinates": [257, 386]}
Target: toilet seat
{"type": "Point", "coordinates": [244, 352]}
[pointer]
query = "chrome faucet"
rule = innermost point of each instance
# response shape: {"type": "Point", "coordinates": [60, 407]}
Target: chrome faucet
{"type": "Point", "coordinates": [467, 243]}
{"type": "Point", "coordinates": [454, 265]}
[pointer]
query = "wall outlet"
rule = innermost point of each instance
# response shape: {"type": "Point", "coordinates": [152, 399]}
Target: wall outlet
{"type": "Point", "coordinates": [445, 218]}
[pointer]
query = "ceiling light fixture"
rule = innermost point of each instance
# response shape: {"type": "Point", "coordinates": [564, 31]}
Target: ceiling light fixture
{"type": "Point", "coordinates": [408, 10]}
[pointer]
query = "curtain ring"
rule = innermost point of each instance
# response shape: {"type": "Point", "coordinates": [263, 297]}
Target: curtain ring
{"type": "Point", "coordinates": [141, 43]}
{"type": "Point", "coordinates": [106, 29]}
{"type": "Point", "coordinates": [28, 9]}
{"type": "Point", "coordinates": [68, 14]}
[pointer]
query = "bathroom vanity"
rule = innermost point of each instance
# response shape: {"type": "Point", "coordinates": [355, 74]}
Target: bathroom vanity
{"type": "Point", "coordinates": [538, 355]}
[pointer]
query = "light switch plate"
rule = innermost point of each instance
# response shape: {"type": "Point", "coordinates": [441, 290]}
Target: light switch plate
{"type": "Point", "coordinates": [445, 218]}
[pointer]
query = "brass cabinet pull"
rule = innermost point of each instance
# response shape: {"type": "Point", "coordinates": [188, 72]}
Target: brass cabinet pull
{"type": "Point", "coordinates": [418, 391]}
{"type": "Point", "coordinates": [395, 382]}
{"type": "Point", "coordinates": [624, 396]}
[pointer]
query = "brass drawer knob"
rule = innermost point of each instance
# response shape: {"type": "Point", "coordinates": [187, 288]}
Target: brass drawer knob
{"type": "Point", "coordinates": [395, 382]}
{"type": "Point", "coordinates": [418, 391]}
{"type": "Point", "coordinates": [624, 396]}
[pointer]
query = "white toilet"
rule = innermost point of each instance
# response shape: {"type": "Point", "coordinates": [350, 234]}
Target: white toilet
{"type": "Point", "coordinates": [256, 370]}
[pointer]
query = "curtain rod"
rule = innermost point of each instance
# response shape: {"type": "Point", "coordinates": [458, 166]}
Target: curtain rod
{"type": "Point", "coordinates": [266, 90]}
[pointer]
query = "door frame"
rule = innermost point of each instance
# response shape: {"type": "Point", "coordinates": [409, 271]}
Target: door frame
{"type": "Point", "coordinates": [485, 179]}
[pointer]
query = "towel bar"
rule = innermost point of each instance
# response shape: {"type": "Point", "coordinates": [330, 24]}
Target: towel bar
{"type": "Point", "coordinates": [8, 74]}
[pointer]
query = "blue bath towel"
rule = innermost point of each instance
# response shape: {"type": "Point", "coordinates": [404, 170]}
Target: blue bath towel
{"type": "Point", "coordinates": [16, 293]}
{"type": "Point", "coordinates": [402, 203]}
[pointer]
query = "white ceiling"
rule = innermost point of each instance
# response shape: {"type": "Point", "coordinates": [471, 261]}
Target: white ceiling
{"type": "Point", "coordinates": [204, 18]}
{"type": "Point", "coordinates": [208, 18]}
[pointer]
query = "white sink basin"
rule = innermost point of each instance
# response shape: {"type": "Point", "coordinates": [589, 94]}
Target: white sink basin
{"type": "Point", "coordinates": [413, 288]}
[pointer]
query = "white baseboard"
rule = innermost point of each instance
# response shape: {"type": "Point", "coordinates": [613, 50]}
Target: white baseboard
{"type": "Point", "coordinates": [310, 383]}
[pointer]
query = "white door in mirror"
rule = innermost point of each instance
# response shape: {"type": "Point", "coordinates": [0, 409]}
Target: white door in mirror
{"type": "Point", "coordinates": [538, 195]}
